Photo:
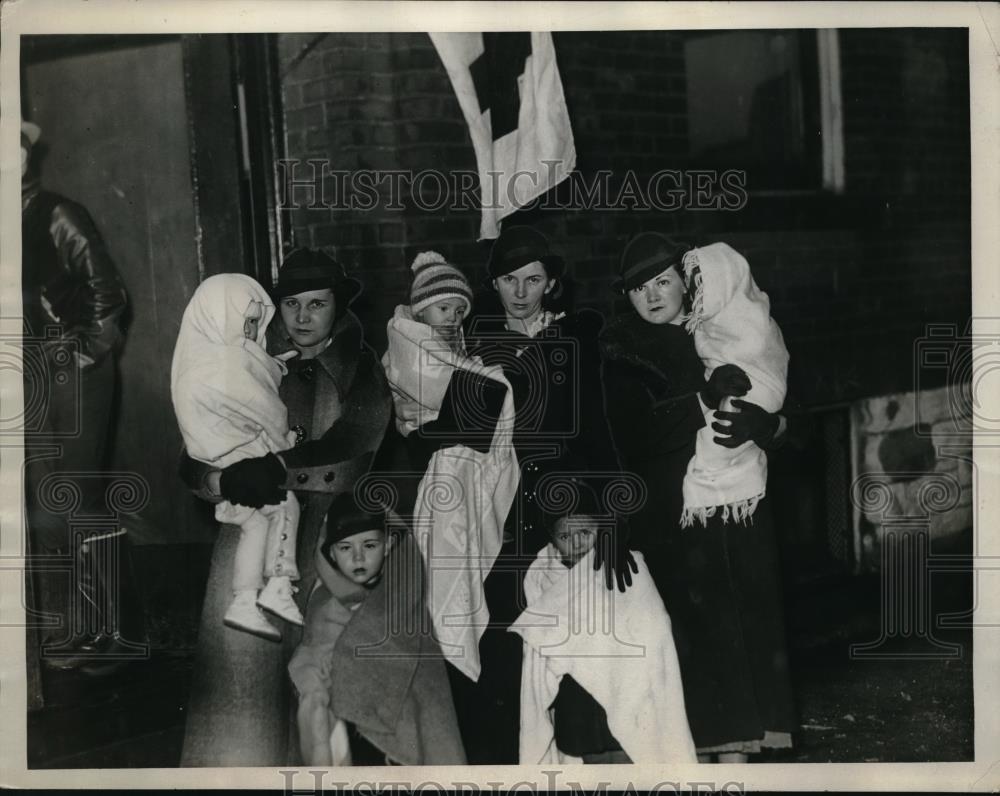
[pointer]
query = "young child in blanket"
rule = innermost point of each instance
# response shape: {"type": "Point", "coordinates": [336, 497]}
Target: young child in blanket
{"type": "Point", "coordinates": [370, 678]}
{"type": "Point", "coordinates": [731, 322]}
{"type": "Point", "coordinates": [600, 679]}
{"type": "Point", "coordinates": [224, 388]}
{"type": "Point", "coordinates": [457, 418]}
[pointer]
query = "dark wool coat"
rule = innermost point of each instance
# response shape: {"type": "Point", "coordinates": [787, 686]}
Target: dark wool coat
{"type": "Point", "coordinates": [720, 583]}
{"type": "Point", "coordinates": [555, 377]}
{"type": "Point", "coordinates": [240, 708]}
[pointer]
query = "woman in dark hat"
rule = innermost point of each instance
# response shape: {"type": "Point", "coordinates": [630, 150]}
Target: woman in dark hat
{"type": "Point", "coordinates": [551, 360]}
{"type": "Point", "coordinates": [339, 406]}
{"type": "Point", "coordinates": [720, 581]}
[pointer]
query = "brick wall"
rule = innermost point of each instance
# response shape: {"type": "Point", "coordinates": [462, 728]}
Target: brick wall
{"type": "Point", "coordinates": [853, 279]}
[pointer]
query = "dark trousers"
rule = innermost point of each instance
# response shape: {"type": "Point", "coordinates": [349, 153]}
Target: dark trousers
{"type": "Point", "coordinates": [67, 429]}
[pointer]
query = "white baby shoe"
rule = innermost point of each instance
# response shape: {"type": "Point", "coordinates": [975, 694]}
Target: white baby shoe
{"type": "Point", "coordinates": [276, 597]}
{"type": "Point", "coordinates": [243, 614]}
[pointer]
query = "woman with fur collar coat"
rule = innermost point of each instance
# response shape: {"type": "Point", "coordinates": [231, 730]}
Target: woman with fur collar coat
{"type": "Point", "coordinates": [719, 581]}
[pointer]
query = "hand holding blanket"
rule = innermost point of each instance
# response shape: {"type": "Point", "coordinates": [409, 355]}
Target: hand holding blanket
{"type": "Point", "coordinates": [464, 496]}
{"type": "Point", "coordinates": [731, 323]}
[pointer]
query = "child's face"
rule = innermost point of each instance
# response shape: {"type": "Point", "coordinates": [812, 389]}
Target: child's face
{"type": "Point", "coordinates": [360, 557]}
{"type": "Point", "coordinates": [573, 536]}
{"type": "Point", "coordinates": [660, 300]}
{"type": "Point", "coordinates": [251, 322]}
{"type": "Point", "coordinates": [444, 317]}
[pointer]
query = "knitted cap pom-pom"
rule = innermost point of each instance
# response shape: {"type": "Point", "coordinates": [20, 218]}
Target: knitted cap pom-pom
{"type": "Point", "coordinates": [424, 258]}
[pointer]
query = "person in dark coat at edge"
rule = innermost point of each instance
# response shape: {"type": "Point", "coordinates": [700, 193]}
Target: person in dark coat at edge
{"type": "Point", "coordinates": [73, 302]}
{"type": "Point", "coordinates": [240, 710]}
{"type": "Point", "coordinates": [551, 361]}
{"type": "Point", "coordinates": [720, 583]}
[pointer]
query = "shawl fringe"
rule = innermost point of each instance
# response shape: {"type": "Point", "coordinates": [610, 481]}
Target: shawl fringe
{"type": "Point", "coordinates": [740, 512]}
{"type": "Point", "coordinates": [693, 278]}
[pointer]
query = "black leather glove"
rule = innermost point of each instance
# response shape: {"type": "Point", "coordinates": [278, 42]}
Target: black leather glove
{"type": "Point", "coordinates": [726, 380]}
{"type": "Point", "coordinates": [254, 482]}
{"type": "Point", "coordinates": [749, 423]}
{"type": "Point", "coordinates": [611, 552]}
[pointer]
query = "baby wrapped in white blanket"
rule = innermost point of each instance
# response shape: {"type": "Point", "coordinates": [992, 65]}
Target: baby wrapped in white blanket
{"type": "Point", "coordinates": [732, 324]}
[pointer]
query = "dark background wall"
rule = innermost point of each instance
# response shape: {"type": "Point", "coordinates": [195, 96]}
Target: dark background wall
{"type": "Point", "coordinates": [854, 278]}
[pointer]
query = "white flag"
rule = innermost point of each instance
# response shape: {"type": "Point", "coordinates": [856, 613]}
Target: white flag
{"type": "Point", "coordinates": [509, 88]}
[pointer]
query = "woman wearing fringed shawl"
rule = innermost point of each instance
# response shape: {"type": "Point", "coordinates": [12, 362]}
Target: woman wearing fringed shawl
{"type": "Point", "coordinates": [700, 339]}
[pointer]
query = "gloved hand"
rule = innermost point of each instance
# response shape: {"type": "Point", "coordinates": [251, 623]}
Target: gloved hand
{"type": "Point", "coordinates": [254, 482]}
{"type": "Point", "coordinates": [750, 422]}
{"type": "Point", "coordinates": [611, 552]}
{"type": "Point", "coordinates": [726, 380]}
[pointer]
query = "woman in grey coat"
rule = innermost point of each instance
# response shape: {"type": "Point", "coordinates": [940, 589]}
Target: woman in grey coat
{"type": "Point", "coordinates": [338, 401]}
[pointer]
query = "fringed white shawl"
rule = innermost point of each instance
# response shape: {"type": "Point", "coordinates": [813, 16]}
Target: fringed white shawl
{"type": "Point", "coordinates": [618, 646]}
{"type": "Point", "coordinates": [464, 496]}
{"type": "Point", "coordinates": [731, 322]}
{"type": "Point", "coordinates": [224, 387]}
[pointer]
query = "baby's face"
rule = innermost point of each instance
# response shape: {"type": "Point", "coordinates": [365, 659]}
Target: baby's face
{"type": "Point", "coordinates": [360, 557]}
{"type": "Point", "coordinates": [573, 536]}
{"type": "Point", "coordinates": [444, 317]}
{"type": "Point", "coordinates": [251, 320]}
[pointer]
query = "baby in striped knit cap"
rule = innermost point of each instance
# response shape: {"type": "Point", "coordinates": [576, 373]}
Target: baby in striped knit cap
{"type": "Point", "coordinates": [426, 344]}
{"type": "Point", "coordinates": [440, 297]}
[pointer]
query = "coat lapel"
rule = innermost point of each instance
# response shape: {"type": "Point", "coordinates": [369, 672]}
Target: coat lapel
{"type": "Point", "coordinates": [340, 361]}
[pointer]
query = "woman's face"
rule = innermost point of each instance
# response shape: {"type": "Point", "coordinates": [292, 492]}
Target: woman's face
{"type": "Point", "coordinates": [360, 557]}
{"type": "Point", "coordinates": [308, 318]}
{"type": "Point", "coordinates": [660, 300]}
{"type": "Point", "coordinates": [521, 291]}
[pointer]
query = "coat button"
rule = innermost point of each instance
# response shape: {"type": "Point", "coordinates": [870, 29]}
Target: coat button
{"type": "Point", "coordinates": [328, 477]}
{"type": "Point", "coordinates": [302, 478]}
{"type": "Point", "coordinates": [284, 536]}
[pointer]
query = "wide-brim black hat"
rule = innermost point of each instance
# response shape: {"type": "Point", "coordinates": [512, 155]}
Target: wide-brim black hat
{"type": "Point", "coordinates": [645, 256]}
{"type": "Point", "coordinates": [308, 269]}
{"type": "Point", "coordinates": [519, 245]}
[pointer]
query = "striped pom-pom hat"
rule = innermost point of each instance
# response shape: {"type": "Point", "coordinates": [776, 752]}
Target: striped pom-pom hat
{"type": "Point", "coordinates": [434, 279]}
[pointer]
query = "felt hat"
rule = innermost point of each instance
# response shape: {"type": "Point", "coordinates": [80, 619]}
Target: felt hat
{"type": "Point", "coordinates": [645, 256]}
{"type": "Point", "coordinates": [347, 517]}
{"type": "Point", "coordinates": [309, 269]}
{"type": "Point", "coordinates": [519, 245]}
{"type": "Point", "coordinates": [435, 279]}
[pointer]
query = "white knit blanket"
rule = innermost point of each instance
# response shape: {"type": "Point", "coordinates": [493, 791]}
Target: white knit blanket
{"type": "Point", "coordinates": [464, 496]}
{"type": "Point", "coordinates": [617, 646]}
{"type": "Point", "coordinates": [224, 387]}
{"type": "Point", "coordinates": [731, 322]}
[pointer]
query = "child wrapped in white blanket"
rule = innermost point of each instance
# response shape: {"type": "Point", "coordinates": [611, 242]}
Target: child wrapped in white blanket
{"type": "Point", "coordinates": [224, 387]}
{"type": "Point", "coordinates": [600, 679]}
{"type": "Point", "coordinates": [465, 493]}
{"type": "Point", "coordinates": [732, 324]}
